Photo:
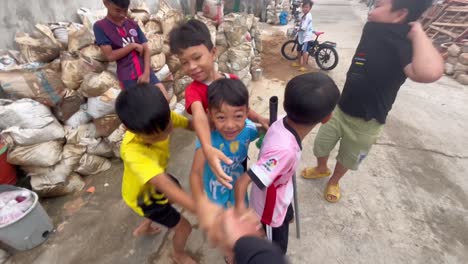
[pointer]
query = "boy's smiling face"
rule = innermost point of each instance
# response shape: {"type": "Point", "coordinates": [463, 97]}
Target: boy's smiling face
{"type": "Point", "coordinates": [198, 62]}
{"type": "Point", "coordinates": [306, 8]}
{"type": "Point", "coordinates": [229, 120]}
{"type": "Point", "coordinates": [383, 13]}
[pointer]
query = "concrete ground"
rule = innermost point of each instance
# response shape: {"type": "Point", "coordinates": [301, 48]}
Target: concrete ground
{"type": "Point", "coordinates": [408, 203]}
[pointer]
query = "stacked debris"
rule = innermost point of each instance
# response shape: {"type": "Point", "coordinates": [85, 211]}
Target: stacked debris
{"type": "Point", "coordinates": [58, 117]}
{"type": "Point", "coordinates": [59, 90]}
{"type": "Point", "coordinates": [446, 23]}
{"type": "Point", "coordinates": [456, 64]}
{"type": "Point", "coordinates": [274, 11]}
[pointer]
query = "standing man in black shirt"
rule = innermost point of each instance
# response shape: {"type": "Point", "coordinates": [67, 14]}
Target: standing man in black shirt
{"type": "Point", "coordinates": [393, 47]}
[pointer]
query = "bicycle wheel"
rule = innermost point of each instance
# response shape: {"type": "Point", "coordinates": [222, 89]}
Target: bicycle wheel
{"type": "Point", "coordinates": [326, 58]}
{"type": "Point", "coordinates": [289, 50]}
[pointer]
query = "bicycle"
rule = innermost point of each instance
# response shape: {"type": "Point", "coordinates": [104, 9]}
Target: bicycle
{"type": "Point", "coordinates": [325, 53]}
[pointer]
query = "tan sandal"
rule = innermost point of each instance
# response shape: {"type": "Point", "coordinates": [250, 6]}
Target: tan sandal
{"type": "Point", "coordinates": [312, 173]}
{"type": "Point", "coordinates": [332, 190]}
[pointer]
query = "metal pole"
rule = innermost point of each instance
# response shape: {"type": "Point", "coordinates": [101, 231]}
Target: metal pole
{"type": "Point", "coordinates": [296, 209]}
{"type": "Point", "coordinates": [273, 117]}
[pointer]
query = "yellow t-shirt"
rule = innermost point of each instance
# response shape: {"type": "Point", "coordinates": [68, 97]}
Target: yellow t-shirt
{"type": "Point", "coordinates": [142, 162]}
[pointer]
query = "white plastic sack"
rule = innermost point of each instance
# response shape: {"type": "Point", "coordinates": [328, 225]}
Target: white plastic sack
{"type": "Point", "coordinates": [73, 183]}
{"type": "Point", "coordinates": [42, 49]}
{"type": "Point", "coordinates": [99, 147]}
{"type": "Point", "coordinates": [79, 118]}
{"type": "Point", "coordinates": [43, 155]}
{"type": "Point", "coordinates": [24, 113]}
{"type": "Point", "coordinates": [79, 37]}
{"type": "Point", "coordinates": [140, 12]}
{"type": "Point", "coordinates": [31, 136]}
{"type": "Point", "coordinates": [89, 17]}
{"type": "Point", "coordinates": [95, 84]}
{"type": "Point", "coordinates": [235, 29]}
{"type": "Point", "coordinates": [214, 9]}
{"type": "Point", "coordinates": [158, 61]}
{"type": "Point", "coordinates": [181, 84]}
{"type": "Point", "coordinates": [44, 178]}
{"type": "Point", "coordinates": [106, 125]}
{"type": "Point", "coordinates": [168, 17]}
{"type": "Point", "coordinates": [155, 42]}
{"type": "Point", "coordinates": [40, 82]}
{"type": "Point", "coordinates": [239, 57]}
{"type": "Point", "coordinates": [92, 164]}
{"type": "Point", "coordinates": [68, 106]}
{"type": "Point", "coordinates": [115, 139]}
{"type": "Point", "coordinates": [153, 26]}
{"type": "Point", "coordinates": [93, 52]}
{"type": "Point", "coordinates": [104, 104]}
{"type": "Point", "coordinates": [163, 73]}
{"type": "Point", "coordinates": [74, 68]}
{"type": "Point", "coordinates": [75, 136]}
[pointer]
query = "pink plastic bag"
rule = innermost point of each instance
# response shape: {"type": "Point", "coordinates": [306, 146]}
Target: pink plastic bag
{"type": "Point", "coordinates": [14, 204]}
{"type": "Point", "coordinates": [214, 9]}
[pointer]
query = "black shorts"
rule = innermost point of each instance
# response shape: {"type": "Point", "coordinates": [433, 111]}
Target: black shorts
{"type": "Point", "coordinates": [281, 233]}
{"type": "Point", "coordinates": [163, 214]}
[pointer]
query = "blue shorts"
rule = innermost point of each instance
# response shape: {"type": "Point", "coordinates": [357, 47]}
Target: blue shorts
{"type": "Point", "coordinates": [305, 46]}
{"type": "Point", "coordinates": [130, 83]}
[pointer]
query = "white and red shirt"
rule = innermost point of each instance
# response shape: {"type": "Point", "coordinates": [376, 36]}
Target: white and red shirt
{"type": "Point", "coordinates": [279, 157]}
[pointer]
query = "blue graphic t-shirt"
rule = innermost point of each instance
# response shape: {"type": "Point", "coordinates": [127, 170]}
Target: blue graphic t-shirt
{"type": "Point", "coordinates": [237, 151]}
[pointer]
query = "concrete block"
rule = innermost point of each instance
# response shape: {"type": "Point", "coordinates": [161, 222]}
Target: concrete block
{"type": "Point", "coordinates": [461, 67]}
{"type": "Point", "coordinates": [463, 59]}
{"type": "Point", "coordinates": [452, 60]}
{"type": "Point", "coordinates": [463, 79]}
{"type": "Point", "coordinates": [449, 69]}
{"type": "Point", "coordinates": [454, 50]}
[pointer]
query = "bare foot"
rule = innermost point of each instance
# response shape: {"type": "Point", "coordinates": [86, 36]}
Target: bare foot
{"type": "Point", "coordinates": [144, 230]}
{"type": "Point", "coordinates": [183, 259]}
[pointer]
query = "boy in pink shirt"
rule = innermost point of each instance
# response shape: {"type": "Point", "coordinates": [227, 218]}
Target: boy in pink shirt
{"type": "Point", "coordinates": [309, 99]}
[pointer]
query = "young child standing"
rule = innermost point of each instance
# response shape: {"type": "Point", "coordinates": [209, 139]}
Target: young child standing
{"type": "Point", "coordinates": [122, 40]}
{"type": "Point", "coordinates": [308, 100]}
{"type": "Point", "coordinates": [146, 187]}
{"type": "Point", "coordinates": [192, 43]}
{"type": "Point", "coordinates": [393, 47]}
{"type": "Point", "coordinates": [228, 105]}
{"type": "Point", "coordinates": [306, 35]}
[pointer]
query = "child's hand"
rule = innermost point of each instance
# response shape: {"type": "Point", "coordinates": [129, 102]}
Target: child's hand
{"type": "Point", "coordinates": [265, 122]}
{"type": "Point", "coordinates": [138, 48]}
{"type": "Point", "coordinates": [214, 157]}
{"type": "Point", "coordinates": [144, 78]}
{"type": "Point", "coordinates": [237, 226]}
{"type": "Point", "coordinates": [416, 29]}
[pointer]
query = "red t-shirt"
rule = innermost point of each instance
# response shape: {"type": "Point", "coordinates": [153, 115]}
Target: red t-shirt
{"type": "Point", "coordinates": [198, 91]}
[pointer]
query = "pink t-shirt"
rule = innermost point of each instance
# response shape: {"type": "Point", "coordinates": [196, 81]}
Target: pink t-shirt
{"type": "Point", "coordinates": [272, 192]}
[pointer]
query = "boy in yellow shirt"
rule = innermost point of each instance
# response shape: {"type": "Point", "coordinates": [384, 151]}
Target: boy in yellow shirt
{"type": "Point", "coordinates": [146, 187]}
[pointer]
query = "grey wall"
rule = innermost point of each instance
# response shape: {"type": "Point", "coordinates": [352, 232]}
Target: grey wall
{"type": "Point", "coordinates": [22, 15]}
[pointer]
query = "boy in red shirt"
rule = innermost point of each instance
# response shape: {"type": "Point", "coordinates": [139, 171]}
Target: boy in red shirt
{"type": "Point", "coordinates": [192, 43]}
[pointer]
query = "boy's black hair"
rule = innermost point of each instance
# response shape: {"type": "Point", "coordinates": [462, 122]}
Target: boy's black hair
{"type": "Point", "coordinates": [143, 109]}
{"type": "Point", "coordinates": [121, 3]}
{"type": "Point", "coordinates": [310, 97]}
{"type": "Point", "coordinates": [308, 2]}
{"type": "Point", "coordinates": [192, 33]}
{"type": "Point", "coordinates": [415, 8]}
{"type": "Point", "coordinates": [230, 91]}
